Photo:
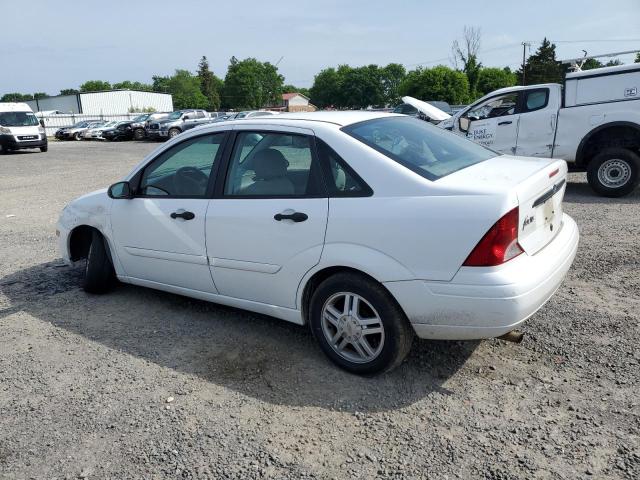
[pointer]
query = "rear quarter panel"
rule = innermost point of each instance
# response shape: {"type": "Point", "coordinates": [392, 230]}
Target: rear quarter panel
{"type": "Point", "coordinates": [575, 123]}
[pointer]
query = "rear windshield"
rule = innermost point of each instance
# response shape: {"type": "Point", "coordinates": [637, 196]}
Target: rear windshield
{"type": "Point", "coordinates": [427, 150]}
{"type": "Point", "coordinates": [18, 119]}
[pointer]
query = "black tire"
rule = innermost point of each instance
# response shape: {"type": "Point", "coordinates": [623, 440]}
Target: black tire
{"type": "Point", "coordinates": [44, 149]}
{"type": "Point", "coordinates": [99, 276]}
{"type": "Point", "coordinates": [174, 132]}
{"type": "Point", "coordinates": [138, 134]}
{"type": "Point", "coordinates": [610, 165]}
{"type": "Point", "coordinates": [398, 333]}
{"type": "Point", "coordinates": [77, 137]}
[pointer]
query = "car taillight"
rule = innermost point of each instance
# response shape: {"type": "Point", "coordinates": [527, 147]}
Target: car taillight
{"type": "Point", "coordinates": [499, 244]}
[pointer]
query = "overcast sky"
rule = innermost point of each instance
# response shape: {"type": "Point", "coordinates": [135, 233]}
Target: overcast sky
{"type": "Point", "coordinates": [47, 45]}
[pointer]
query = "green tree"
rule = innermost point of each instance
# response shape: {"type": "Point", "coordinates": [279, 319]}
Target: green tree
{"type": "Point", "coordinates": [39, 95]}
{"type": "Point", "coordinates": [637, 60]}
{"type": "Point", "coordinates": [438, 83]}
{"type": "Point", "coordinates": [391, 77]}
{"type": "Point", "coordinates": [542, 66]}
{"type": "Point", "coordinates": [129, 85]}
{"type": "Point", "coordinates": [293, 89]}
{"type": "Point", "coordinates": [467, 54]}
{"type": "Point", "coordinates": [16, 97]}
{"type": "Point", "coordinates": [160, 84]}
{"type": "Point", "coordinates": [69, 91]}
{"type": "Point", "coordinates": [250, 84]}
{"type": "Point", "coordinates": [185, 89]}
{"type": "Point", "coordinates": [591, 63]}
{"type": "Point", "coordinates": [325, 90]}
{"type": "Point", "coordinates": [361, 87]}
{"type": "Point", "coordinates": [95, 86]}
{"type": "Point", "coordinates": [490, 79]}
{"type": "Point", "coordinates": [613, 63]}
{"type": "Point", "coordinates": [208, 84]}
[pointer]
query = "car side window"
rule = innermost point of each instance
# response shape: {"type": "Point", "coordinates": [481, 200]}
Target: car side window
{"type": "Point", "coordinates": [342, 180]}
{"type": "Point", "coordinates": [495, 107]}
{"type": "Point", "coordinates": [535, 100]}
{"type": "Point", "coordinates": [272, 165]}
{"type": "Point", "coordinates": [183, 170]}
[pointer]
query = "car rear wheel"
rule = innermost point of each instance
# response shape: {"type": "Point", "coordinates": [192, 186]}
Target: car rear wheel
{"type": "Point", "coordinates": [614, 172]}
{"type": "Point", "coordinates": [99, 276]}
{"type": "Point", "coordinates": [358, 325]}
{"type": "Point", "coordinates": [138, 134]}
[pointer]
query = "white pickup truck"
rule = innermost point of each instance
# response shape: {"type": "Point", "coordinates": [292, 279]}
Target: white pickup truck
{"type": "Point", "coordinates": [592, 122]}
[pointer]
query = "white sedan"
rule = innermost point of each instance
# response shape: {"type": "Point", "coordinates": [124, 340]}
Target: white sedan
{"type": "Point", "coordinates": [369, 227]}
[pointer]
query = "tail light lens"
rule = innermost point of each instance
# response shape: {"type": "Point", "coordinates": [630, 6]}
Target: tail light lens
{"type": "Point", "coordinates": [499, 244]}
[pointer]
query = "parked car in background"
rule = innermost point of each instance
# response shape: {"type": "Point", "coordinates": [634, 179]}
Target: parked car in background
{"type": "Point", "coordinates": [122, 131]}
{"type": "Point", "coordinates": [429, 111]}
{"type": "Point", "coordinates": [254, 113]}
{"type": "Point", "coordinates": [75, 131]}
{"type": "Point", "coordinates": [370, 227]}
{"type": "Point", "coordinates": [138, 125]}
{"type": "Point", "coordinates": [593, 123]}
{"type": "Point", "coordinates": [95, 133]}
{"type": "Point", "coordinates": [20, 128]}
{"type": "Point", "coordinates": [175, 123]}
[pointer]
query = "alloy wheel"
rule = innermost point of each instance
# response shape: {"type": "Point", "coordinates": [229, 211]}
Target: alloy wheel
{"type": "Point", "coordinates": [352, 327]}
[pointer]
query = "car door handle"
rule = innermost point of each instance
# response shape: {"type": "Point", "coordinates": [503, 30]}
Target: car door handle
{"type": "Point", "coordinates": [183, 215]}
{"type": "Point", "coordinates": [507, 122]}
{"type": "Point", "coordinates": [295, 216]}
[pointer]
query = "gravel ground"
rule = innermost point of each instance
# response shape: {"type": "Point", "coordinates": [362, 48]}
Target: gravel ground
{"type": "Point", "coordinates": [145, 384]}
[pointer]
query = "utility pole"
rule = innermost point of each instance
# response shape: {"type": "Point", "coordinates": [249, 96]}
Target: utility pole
{"type": "Point", "coordinates": [524, 60]}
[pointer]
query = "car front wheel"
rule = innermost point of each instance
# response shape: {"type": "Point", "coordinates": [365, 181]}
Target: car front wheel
{"type": "Point", "coordinates": [138, 134]}
{"type": "Point", "coordinates": [174, 132]}
{"type": "Point", "coordinates": [99, 276]}
{"type": "Point", "coordinates": [358, 325]}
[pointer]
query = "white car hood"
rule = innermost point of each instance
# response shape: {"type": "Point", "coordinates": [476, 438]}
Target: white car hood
{"type": "Point", "coordinates": [427, 109]}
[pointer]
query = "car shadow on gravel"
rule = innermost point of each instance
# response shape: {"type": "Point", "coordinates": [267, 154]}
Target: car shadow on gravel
{"type": "Point", "coordinates": [268, 359]}
{"type": "Point", "coordinates": [581, 193]}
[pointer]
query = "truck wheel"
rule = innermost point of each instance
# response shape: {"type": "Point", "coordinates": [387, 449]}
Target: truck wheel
{"type": "Point", "coordinates": [614, 172]}
{"type": "Point", "coordinates": [174, 132]}
{"type": "Point", "coordinates": [138, 134]}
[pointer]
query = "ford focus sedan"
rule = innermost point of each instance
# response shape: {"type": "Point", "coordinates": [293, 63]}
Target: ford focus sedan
{"type": "Point", "coordinates": [368, 227]}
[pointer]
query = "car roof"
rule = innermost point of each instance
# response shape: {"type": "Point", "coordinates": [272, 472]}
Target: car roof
{"type": "Point", "coordinates": [340, 118]}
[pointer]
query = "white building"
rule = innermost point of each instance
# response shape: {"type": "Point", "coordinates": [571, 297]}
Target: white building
{"type": "Point", "coordinates": [296, 102]}
{"type": "Point", "coordinates": [110, 102]}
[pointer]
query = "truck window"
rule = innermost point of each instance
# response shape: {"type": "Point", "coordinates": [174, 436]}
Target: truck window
{"type": "Point", "coordinates": [495, 107]}
{"type": "Point", "coordinates": [536, 99]}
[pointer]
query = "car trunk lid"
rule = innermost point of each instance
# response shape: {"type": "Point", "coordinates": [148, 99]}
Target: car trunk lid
{"type": "Point", "coordinates": [538, 184]}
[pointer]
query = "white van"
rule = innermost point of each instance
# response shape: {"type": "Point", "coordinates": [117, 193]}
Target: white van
{"type": "Point", "coordinates": [19, 128]}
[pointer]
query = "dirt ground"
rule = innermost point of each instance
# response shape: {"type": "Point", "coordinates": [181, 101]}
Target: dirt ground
{"type": "Point", "coordinates": [145, 384]}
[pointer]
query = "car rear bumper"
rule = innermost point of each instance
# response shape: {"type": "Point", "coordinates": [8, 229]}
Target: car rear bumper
{"type": "Point", "coordinates": [10, 142]}
{"type": "Point", "coordinates": [485, 302]}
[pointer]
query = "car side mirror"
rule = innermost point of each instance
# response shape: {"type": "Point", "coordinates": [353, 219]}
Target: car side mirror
{"type": "Point", "coordinates": [120, 190]}
{"type": "Point", "coordinates": [463, 124]}
{"type": "Point", "coordinates": [186, 117]}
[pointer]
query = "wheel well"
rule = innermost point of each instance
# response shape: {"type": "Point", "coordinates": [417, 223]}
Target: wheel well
{"type": "Point", "coordinates": [620, 135]}
{"type": "Point", "coordinates": [319, 277]}
{"type": "Point", "coordinates": [80, 241]}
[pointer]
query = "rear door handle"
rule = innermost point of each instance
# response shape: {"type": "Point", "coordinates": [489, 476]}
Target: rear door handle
{"type": "Point", "coordinates": [184, 215]}
{"type": "Point", "coordinates": [295, 216]}
{"type": "Point", "coordinates": [506, 122]}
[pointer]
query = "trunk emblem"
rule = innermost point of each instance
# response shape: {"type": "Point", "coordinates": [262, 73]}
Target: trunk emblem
{"type": "Point", "coordinates": [527, 221]}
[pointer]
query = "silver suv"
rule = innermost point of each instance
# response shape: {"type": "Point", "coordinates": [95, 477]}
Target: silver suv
{"type": "Point", "coordinates": [176, 123]}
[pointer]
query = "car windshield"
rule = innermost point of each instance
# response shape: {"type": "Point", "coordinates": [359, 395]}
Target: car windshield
{"type": "Point", "coordinates": [140, 118]}
{"type": "Point", "coordinates": [419, 146]}
{"type": "Point", "coordinates": [175, 115]}
{"type": "Point", "coordinates": [18, 119]}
